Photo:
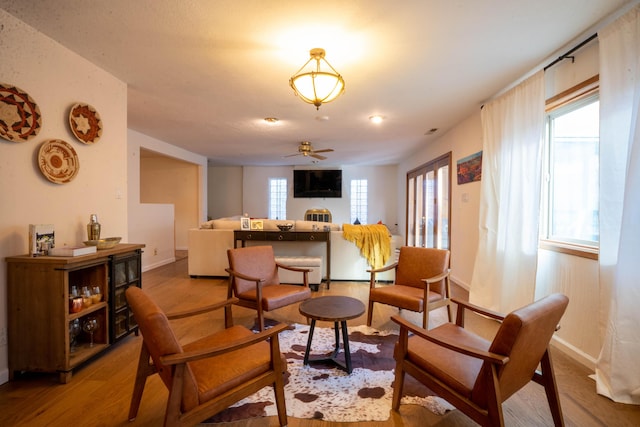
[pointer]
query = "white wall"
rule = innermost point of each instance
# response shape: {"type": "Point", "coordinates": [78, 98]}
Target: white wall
{"type": "Point", "coordinates": [57, 78]}
{"type": "Point", "coordinates": [150, 224]}
{"type": "Point", "coordinates": [225, 191]}
{"type": "Point", "coordinates": [382, 193]}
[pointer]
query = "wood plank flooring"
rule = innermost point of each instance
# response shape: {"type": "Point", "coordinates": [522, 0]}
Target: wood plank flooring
{"type": "Point", "coordinates": [99, 392]}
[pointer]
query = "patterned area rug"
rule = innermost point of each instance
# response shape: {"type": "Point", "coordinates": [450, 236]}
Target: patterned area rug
{"type": "Point", "coordinates": [321, 391]}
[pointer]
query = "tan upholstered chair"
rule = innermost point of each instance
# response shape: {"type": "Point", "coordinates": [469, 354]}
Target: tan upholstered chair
{"type": "Point", "coordinates": [421, 283]}
{"type": "Point", "coordinates": [254, 281]}
{"type": "Point", "coordinates": [476, 375]}
{"type": "Point", "coordinates": [210, 374]}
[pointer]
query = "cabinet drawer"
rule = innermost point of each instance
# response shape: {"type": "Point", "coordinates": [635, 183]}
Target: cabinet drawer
{"type": "Point", "coordinates": [284, 236]}
{"type": "Point", "coordinates": [249, 235]}
{"type": "Point", "coordinates": [319, 236]}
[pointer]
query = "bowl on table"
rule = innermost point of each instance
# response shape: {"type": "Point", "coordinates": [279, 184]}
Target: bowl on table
{"type": "Point", "coordinates": [285, 227]}
{"type": "Point", "coordinates": [106, 243]}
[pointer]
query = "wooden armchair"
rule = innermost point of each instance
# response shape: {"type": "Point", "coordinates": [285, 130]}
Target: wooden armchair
{"type": "Point", "coordinates": [210, 374]}
{"type": "Point", "coordinates": [476, 375]}
{"type": "Point", "coordinates": [421, 283]}
{"type": "Point", "coordinates": [254, 281]}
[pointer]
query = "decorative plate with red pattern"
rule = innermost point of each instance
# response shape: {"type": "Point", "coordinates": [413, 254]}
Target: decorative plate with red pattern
{"type": "Point", "coordinates": [58, 161]}
{"type": "Point", "coordinates": [85, 123]}
{"type": "Point", "coordinates": [20, 118]}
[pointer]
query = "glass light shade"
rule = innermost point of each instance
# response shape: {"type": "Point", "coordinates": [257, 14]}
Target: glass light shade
{"type": "Point", "coordinates": [315, 86]}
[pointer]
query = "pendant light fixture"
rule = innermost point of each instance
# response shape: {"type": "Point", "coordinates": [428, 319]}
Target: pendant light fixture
{"type": "Point", "coordinates": [315, 85]}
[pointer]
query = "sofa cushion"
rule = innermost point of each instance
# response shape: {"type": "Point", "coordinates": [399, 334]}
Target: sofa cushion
{"type": "Point", "coordinates": [226, 224]}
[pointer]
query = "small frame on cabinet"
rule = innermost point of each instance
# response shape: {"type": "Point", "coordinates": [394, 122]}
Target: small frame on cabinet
{"type": "Point", "coordinates": [245, 223]}
{"type": "Point", "coordinates": [256, 224]}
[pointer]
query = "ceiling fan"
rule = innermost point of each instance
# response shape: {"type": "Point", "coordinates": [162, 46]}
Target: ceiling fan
{"type": "Point", "coordinates": [307, 150]}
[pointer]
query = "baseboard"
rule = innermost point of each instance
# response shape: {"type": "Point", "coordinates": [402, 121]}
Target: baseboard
{"type": "Point", "coordinates": [574, 353]}
{"type": "Point", "coordinates": [460, 283]}
{"type": "Point", "coordinates": [158, 264]}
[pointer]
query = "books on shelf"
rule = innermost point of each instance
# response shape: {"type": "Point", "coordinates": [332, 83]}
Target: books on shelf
{"type": "Point", "coordinates": [72, 250]}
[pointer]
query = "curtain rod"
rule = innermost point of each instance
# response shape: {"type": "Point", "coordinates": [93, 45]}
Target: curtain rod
{"type": "Point", "coordinates": [568, 54]}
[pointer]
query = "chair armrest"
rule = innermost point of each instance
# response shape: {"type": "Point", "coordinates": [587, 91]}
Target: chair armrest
{"type": "Point", "coordinates": [201, 310]}
{"type": "Point", "coordinates": [243, 276]}
{"type": "Point", "coordinates": [190, 356]}
{"type": "Point", "coordinates": [462, 305]}
{"type": "Point", "coordinates": [487, 356]}
{"type": "Point", "coordinates": [288, 267]}
{"type": "Point", "coordinates": [380, 270]}
{"type": "Point", "coordinates": [437, 278]}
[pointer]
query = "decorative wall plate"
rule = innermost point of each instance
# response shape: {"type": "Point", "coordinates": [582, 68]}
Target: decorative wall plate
{"type": "Point", "coordinates": [58, 161]}
{"type": "Point", "coordinates": [85, 123]}
{"type": "Point", "coordinates": [20, 118]}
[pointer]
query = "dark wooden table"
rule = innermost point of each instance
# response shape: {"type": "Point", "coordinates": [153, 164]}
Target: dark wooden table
{"type": "Point", "coordinates": [336, 309]}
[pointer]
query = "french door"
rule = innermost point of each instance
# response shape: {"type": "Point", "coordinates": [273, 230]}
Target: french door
{"type": "Point", "coordinates": [429, 204]}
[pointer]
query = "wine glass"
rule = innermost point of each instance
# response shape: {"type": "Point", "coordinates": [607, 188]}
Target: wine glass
{"type": "Point", "coordinates": [74, 330]}
{"type": "Point", "coordinates": [96, 294]}
{"type": "Point", "coordinates": [90, 325]}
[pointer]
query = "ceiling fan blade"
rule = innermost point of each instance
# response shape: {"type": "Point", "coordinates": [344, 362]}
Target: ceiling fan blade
{"type": "Point", "coordinates": [326, 150]}
{"type": "Point", "coordinates": [292, 155]}
{"type": "Point", "coordinates": [318, 156]}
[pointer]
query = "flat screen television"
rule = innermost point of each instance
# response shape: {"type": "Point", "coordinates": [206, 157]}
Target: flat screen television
{"type": "Point", "coordinates": [317, 183]}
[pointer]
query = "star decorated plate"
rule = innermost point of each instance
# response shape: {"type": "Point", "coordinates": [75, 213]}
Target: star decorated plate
{"type": "Point", "coordinates": [85, 123]}
{"type": "Point", "coordinates": [20, 118]}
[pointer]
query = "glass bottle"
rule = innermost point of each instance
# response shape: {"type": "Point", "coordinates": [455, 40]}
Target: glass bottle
{"type": "Point", "coordinates": [93, 228]}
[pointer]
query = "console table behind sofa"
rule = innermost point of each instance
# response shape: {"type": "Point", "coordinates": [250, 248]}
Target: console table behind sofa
{"type": "Point", "coordinates": [288, 236]}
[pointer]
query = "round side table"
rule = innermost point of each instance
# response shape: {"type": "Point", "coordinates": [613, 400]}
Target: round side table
{"type": "Point", "coordinates": [337, 309]}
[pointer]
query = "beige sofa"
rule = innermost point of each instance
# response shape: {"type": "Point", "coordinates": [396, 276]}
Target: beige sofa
{"type": "Point", "coordinates": [208, 249]}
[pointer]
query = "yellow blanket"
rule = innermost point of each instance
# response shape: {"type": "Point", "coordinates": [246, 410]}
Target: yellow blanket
{"type": "Point", "coordinates": [374, 242]}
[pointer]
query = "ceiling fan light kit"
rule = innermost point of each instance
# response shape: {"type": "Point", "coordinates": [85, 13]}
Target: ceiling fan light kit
{"type": "Point", "coordinates": [314, 85]}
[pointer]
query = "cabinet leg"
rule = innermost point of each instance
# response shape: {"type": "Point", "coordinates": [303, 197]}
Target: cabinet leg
{"type": "Point", "coordinates": [65, 377]}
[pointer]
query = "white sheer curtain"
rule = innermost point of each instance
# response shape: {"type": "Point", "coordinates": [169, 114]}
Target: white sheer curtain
{"type": "Point", "coordinates": [618, 367]}
{"type": "Point", "coordinates": [513, 129]}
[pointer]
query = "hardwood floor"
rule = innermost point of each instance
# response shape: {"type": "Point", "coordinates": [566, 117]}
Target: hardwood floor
{"type": "Point", "coordinates": [99, 392]}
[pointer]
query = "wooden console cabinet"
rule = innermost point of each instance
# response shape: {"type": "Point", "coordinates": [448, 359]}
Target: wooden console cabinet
{"type": "Point", "coordinates": [40, 314]}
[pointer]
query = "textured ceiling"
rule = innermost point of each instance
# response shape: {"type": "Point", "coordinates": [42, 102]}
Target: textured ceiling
{"type": "Point", "coordinates": [203, 74]}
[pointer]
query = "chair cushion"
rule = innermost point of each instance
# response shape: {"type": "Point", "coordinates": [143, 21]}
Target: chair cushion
{"type": "Point", "coordinates": [451, 367]}
{"type": "Point", "coordinates": [274, 297]}
{"type": "Point", "coordinates": [406, 297]}
{"type": "Point", "coordinates": [217, 375]}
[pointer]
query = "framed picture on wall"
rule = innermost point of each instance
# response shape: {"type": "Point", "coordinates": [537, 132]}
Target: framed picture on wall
{"type": "Point", "coordinates": [256, 224]}
{"type": "Point", "coordinates": [245, 223]}
{"type": "Point", "coordinates": [470, 168]}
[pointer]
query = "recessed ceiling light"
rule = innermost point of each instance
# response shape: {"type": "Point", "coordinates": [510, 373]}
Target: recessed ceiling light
{"type": "Point", "coordinates": [377, 119]}
{"type": "Point", "coordinates": [271, 119]}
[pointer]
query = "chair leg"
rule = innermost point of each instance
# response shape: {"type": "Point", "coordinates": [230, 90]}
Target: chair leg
{"type": "Point", "coordinates": [144, 370]}
{"type": "Point", "coordinates": [551, 389]}
{"type": "Point", "coordinates": [370, 313]}
{"type": "Point", "coordinates": [398, 386]}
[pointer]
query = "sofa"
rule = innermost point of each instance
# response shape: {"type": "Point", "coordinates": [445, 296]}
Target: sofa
{"type": "Point", "coordinates": [208, 246]}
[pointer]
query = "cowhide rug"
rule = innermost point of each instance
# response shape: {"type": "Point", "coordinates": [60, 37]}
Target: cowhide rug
{"type": "Point", "coordinates": [322, 391]}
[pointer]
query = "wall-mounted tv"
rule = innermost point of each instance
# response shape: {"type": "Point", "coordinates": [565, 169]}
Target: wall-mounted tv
{"type": "Point", "coordinates": [317, 183]}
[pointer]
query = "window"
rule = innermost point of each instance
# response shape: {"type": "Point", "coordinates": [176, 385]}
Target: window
{"type": "Point", "coordinates": [359, 201]}
{"type": "Point", "coordinates": [277, 198]}
{"type": "Point", "coordinates": [571, 188]}
{"type": "Point", "coordinates": [428, 204]}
